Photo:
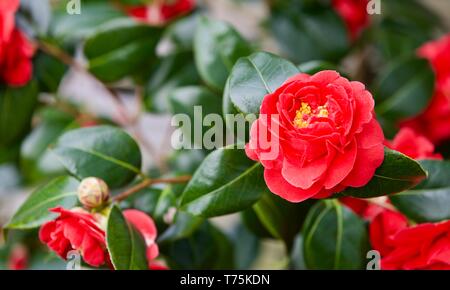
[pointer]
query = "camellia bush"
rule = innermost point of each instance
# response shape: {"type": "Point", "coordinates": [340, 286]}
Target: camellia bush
{"type": "Point", "coordinates": [327, 132]}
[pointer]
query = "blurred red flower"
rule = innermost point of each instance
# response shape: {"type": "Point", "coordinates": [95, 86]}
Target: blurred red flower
{"type": "Point", "coordinates": [413, 145]}
{"type": "Point", "coordinates": [434, 122]}
{"type": "Point", "coordinates": [16, 50]}
{"type": "Point", "coordinates": [18, 258]}
{"type": "Point", "coordinates": [354, 13]}
{"type": "Point", "coordinates": [159, 12]}
{"type": "Point", "coordinates": [324, 133]}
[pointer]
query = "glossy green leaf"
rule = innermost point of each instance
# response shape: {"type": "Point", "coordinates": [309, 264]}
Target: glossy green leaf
{"type": "Point", "coordinates": [397, 173]}
{"type": "Point", "coordinates": [184, 225]}
{"type": "Point", "coordinates": [405, 25]}
{"type": "Point", "coordinates": [217, 47]}
{"type": "Point", "coordinates": [282, 219]}
{"type": "Point", "coordinates": [16, 109]}
{"type": "Point", "coordinates": [313, 34]}
{"type": "Point", "coordinates": [334, 238]}
{"type": "Point", "coordinates": [72, 28]}
{"type": "Point", "coordinates": [429, 201]}
{"type": "Point", "coordinates": [105, 152]}
{"type": "Point", "coordinates": [36, 161]}
{"type": "Point", "coordinates": [254, 77]}
{"type": "Point", "coordinates": [197, 102]}
{"type": "Point", "coordinates": [226, 182]}
{"type": "Point", "coordinates": [120, 48]}
{"type": "Point", "coordinates": [34, 212]}
{"type": "Point", "coordinates": [171, 72]}
{"type": "Point", "coordinates": [206, 249]}
{"type": "Point", "coordinates": [155, 202]}
{"type": "Point", "coordinates": [315, 66]}
{"type": "Point", "coordinates": [181, 33]}
{"type": "Point", "coordinates": [247, 247]}
{"type": "Point", "coordinates": [48, 70]}
{"type": "Point", "coordinates": [125, 245]}
{"type": "Point", "coordinates": [403, 81]}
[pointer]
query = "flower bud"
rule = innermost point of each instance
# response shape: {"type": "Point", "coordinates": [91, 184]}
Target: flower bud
{"type": "Point", "coordinates": [93, 192]}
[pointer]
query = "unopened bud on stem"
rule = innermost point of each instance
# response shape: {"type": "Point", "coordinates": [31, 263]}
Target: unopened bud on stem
{"type": "Point", "coordinates": [93, 192]}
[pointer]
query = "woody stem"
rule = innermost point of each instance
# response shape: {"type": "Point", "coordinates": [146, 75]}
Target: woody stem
{"type": "Point", "coordinates": [68, 60]}
{"type": "Point", "coordinates": [148, 182]}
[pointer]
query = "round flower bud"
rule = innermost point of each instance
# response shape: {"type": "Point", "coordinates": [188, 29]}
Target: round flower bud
{"type": "Point", "coordinates": [93, 192]}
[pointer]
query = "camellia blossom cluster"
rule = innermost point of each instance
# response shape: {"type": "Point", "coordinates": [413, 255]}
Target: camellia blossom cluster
{"type": "Point", "coordinates": [16, 50]}
{"type": "Point", "coordinates": [159, 12]}
{"type": "Point", "coordinates": [402, 247]}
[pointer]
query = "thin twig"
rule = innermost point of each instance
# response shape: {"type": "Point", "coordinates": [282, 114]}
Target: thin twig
{"type": "Point", "coordinates": [70, 61]}
{"type": "Point", "coordinates": [148, 182]}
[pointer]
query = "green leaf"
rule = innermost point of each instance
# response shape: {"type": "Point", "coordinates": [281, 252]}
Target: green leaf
{"type": "Point", "coordinates": [282, 219]}
{"type": "Point", "coordinates": [427, 202]}
{"type": "Point", "coordinates": [36, 161]}
{"type": "Point", "coordinates": [73, 28]}
{"type": "Point", "coordinates": [405, 25]}
{"type": "Point", "coordinates": [125, 245]}
{"type": "Point", "coordinates": [217, 47]}
{"type": "Point", "coordinates": [119, 48]}
{"type": "Point", "coordinates": [181, 33]}
{"type": "Point", "coordinates": [254, 77]}
{"type": "Point", "coordinates": [48, 70]}
{"type": "Point", "coordinates": [184, 225]}
{"type": "Point", "coordinates": [16, 109]}
{"type": "Point", "coordinates": [105, 152]}
{"type": "Point", "coordinates": [195, 102]}
{"type": "Point", "coordinates": [315, 66]}
{"type": "Point", "coordinates": [226, 182]}
{"type": "Point", "coordinates": [171, 72]}
{"type": "Point", "coordinates": [334, 238]}
{"type": "Point", "coordinates": [313, 34]}
{"type": "Point", "coordinates": [247, 247]}
{"type": "Point", "coordinates": [403, 81]}
{"type": "Point", "coordinates": [397, 173]}
{"type": "Point", "coordinates": [34, 212]}
{"type": "Point", "coordinates": [155, 202]}
{"type": "Point", "coordinates": [206, 249]}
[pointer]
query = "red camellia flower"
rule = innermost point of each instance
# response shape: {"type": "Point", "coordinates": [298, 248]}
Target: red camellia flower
{"type": "Point", "coordinates": [75, 230]}
{"type": "Point", "coordinates": [15, 49]}
{"type": "Point", "coordinates": [421, 247]}
{"type": "Point", "coordinates": [413, 145]}
{"type": "Point", "coordinates": [160, 12]}
{"type": "Point", "coordinates": [354, 13]}
{"type": "Point", "coordinates": [384, 227]}
{"type": "Point", "coordinates": [434, 122]}
{"type": "Point", "coordinates": [80, 230]}
{"type": "Point", "coordinates": [322, 136]}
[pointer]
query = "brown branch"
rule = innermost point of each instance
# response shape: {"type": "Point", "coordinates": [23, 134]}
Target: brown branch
{"type": "Point", "coordinates": [68, 60]}
{"type": "Point", "coordinates": [148, 182]}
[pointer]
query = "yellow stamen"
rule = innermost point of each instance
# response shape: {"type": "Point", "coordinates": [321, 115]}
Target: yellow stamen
{"type": "Point", "coordinates": [300, 115]}
{"type": "Point", "coordinates": [303, 114]}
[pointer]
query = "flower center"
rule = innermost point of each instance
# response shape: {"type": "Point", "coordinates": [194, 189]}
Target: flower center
{"type": "Point", "coordinates": [304, 114]}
